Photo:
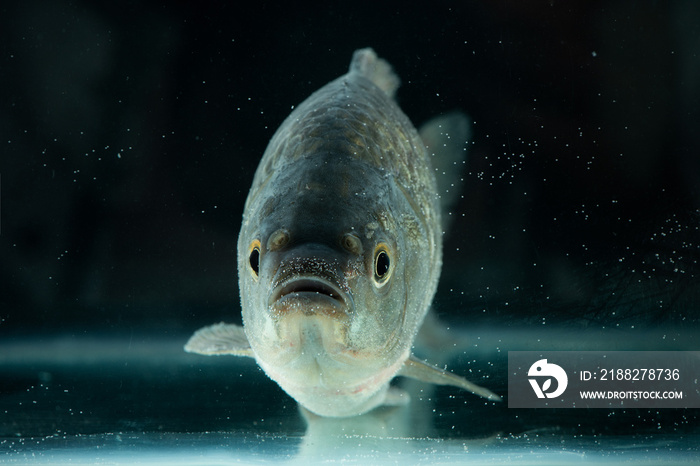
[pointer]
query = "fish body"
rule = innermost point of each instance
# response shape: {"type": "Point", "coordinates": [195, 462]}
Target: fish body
{"type": "Point", "coordinates": [340, 249]}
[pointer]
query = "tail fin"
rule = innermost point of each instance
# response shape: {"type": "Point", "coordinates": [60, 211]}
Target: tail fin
{"type": "Point", "coordinates": [379, 71]}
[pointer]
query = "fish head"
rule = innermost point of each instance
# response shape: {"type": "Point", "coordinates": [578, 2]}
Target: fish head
{"type": "Point", "coordinates": [323, 280]}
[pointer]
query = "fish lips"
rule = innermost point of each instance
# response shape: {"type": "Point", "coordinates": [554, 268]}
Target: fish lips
{"type": "Point", "coordinates": [310, 296]}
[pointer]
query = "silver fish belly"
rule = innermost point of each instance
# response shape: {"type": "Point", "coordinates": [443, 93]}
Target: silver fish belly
{"type": "Point", "coordinates": [340, 250]}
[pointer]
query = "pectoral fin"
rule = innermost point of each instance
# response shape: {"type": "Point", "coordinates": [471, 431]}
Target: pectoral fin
{"type": "Point", "coordinates": [420, 370]}
{"type": "Point", "coordinates": [220, 339]}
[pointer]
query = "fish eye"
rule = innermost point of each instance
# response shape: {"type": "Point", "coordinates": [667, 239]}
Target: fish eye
{"type": "Point", "coordinates": [254, 258]}
{"type": "Point", "coordinates": [382, 264]}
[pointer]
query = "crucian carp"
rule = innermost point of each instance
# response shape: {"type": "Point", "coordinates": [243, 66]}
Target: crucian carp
{"type": "Point", "coordinates": [340, 250]}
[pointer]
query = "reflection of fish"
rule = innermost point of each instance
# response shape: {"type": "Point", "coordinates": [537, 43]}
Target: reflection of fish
{"type": "Point", "coordinates": [340, 250]}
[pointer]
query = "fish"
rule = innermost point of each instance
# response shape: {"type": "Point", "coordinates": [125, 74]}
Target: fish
{"type": "Point", "coordinates": [340, 250]}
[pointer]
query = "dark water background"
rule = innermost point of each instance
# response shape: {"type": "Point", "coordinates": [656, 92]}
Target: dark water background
{"type": "Point", "coordinates": [130, 131]}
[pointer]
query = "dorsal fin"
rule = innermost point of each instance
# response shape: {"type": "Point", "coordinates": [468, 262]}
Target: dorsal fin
{"type": "Point", "coordinates": [368, 64]}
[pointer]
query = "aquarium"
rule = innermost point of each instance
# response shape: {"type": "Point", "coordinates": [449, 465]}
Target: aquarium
{"type": "Point", "coordinates": [131, 134]}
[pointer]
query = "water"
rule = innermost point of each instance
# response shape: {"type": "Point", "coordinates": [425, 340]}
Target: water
{"type": "Point", "coordinates": [129, 135]}
{"type": "Point", "coordinates": [139, 399]}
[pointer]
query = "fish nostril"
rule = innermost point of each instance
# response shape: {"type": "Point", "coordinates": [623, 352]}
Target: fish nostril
{"type": "Point", "coordinates": [352, 244]}
{"type": "Point", "coordinates": [278, 240]}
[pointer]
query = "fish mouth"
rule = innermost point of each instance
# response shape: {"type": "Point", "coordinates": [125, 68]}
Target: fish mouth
{"type": "Point", "coordinates": [310, 295]}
